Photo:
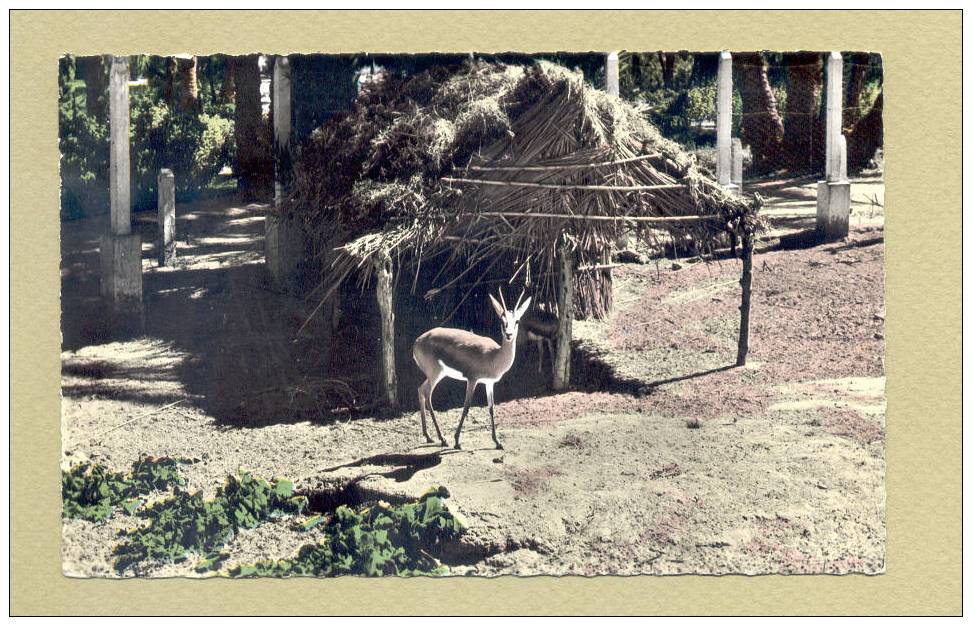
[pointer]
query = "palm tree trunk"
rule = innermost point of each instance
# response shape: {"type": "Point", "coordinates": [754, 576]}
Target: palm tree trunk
{"type": "Point", "coordinates": [253, 158]}
{"type": "Point", "coordinates": [169, 79]}
{"type": "Point", "coordinates": [852, 109]}
{"type": "Point", "coordinates": [866, 136]}
{"type": "Point", "coordinates": [804, 141]}
{"type": "Point", "coordinates": [92, 70]}
{"type": "Point", "coordinates": [762, 127]}
{"type": "Point", "coordinates": [668, 69]}
{"type": "Point", "coordinates": [229, 79]}
{"type": "Point", "coordinates": [188, 84]}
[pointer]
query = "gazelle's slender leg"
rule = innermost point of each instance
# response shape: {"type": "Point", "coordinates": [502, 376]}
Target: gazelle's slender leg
{"type": "Point", "coordinates": [422, 399]}
{"type": "Point", "coordinates": [539, 355]}
{"type": "Point", "coordinates": [428, 397]}
{"type": "Point", "coordinates": [470, 389]}
{"type": "Point", "coordinates": [492, 422]}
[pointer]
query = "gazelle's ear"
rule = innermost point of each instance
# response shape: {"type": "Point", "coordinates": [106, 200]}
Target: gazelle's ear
{"type": "Point", "coordinates": [522, 308]}
{"type": "Point", "coordinates": [496, 306]}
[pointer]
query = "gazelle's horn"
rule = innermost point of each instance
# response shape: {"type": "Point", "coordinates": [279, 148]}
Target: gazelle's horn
{"type": "Point", "coordinates": [502, 300]}
{"type": "Point", "coordinates": [522, 291]}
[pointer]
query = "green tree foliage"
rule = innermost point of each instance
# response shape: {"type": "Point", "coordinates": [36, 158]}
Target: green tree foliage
{"type": "Point", "coordinates": [83, 144]}
{"type": "Point", "coordinates": [195, 143]}
{"type": "Point", "coordinates": [194, 146]}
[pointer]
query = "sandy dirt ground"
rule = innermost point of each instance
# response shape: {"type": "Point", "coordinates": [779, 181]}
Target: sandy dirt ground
{"type": "Point", "coordinates": [663, 459]}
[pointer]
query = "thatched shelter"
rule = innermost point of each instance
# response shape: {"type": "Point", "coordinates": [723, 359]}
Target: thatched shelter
{"type": "Point", "coordinates": [485, 174]}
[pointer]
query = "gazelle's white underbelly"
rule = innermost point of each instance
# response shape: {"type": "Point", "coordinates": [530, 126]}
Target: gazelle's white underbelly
{"type": "Point", "coordinates": [456, 374]}
{"type": "Point", "coordinates": [449, 372]}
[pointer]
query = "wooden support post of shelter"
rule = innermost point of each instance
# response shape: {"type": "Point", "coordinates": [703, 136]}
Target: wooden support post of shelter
{"type": "Point", "coordinates": [385, 292]}
{"type": "Point", "coordinates": [746, 283]}
{"type": "Point", "coordinates": [565, 314]}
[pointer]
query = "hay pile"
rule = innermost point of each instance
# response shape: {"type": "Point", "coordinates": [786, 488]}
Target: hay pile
{"type": "Point", "coordinates": [448, 166]}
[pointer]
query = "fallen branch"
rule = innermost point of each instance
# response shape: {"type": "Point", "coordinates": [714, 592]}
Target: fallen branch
{"type": "Point", "coordinates": [135, 419]}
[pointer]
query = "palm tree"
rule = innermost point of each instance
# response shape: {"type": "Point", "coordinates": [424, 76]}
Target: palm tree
{"type": "Point", "coordinates": [761, 126]}
{"type": "Point", "coordinates": [93, 71]}
{"type": "Point", "coordinates": [804, 139]}
{"type": "Point", "coordinates": [866, 136]}
{"type": "Point", "coordinates": [855, 86]}
{"type": "Point", "coordinates": [254, 164]}
{"type": "Point", "coordinates": [188, 84]}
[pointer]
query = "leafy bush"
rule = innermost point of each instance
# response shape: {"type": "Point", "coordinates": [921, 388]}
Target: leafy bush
{"type": "Point", "coordinates": [195, 147]}
{"type": "Point", "coordinates": [92, 491]}
{"type": "Point", "coordinates": [83, 144]}
{"type": "Point", "coordinates": [373, 540]}
{"type": "Point", "coordinates": [186, 523]}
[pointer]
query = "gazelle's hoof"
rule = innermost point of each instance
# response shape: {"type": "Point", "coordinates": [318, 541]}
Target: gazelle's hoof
{"type": "Point", "coordinates": [457, 446]}
{"type": "Point", "coordinates": [442, 443]}
{"type": "Point", "coordinates": [428, 439]}
{"type": "Point", "coordinates": [499, 446]}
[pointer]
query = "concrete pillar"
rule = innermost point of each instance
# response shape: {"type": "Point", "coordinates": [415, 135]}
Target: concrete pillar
{"type": "Point", "coordinates": [282, 126]}
{"type": "Point", "coordinates": [835, 92]}
{"type": "Point", "coordinates": [121, 275]}
{"type": "Point", "coordinates": [121, 251]}
{"type": "Point", "coordinates": [841, 159]}
{"type": "Point", "coordinates": [724, 121]}
{"type": "Point", "coordinates": [737, 165]}
{"type": "Point", "coordinates": [120, 160]}
{"type": "Point", "coordinates": [833, 193]}
{"type": "Point", "coordinates": [612, 77]}
{"type": "Point", "coordinates": [166, 244]}
{"type": "Point", "coordinates": [282, 239]}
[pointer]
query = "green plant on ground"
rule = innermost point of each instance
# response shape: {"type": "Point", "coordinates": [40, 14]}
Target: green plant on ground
{"type": "Point", "coordinates": [187, 523]}
{"type": "Point", "coordinates": [93, 491]}
{"type": "Point", "coordinates": [373, 540]}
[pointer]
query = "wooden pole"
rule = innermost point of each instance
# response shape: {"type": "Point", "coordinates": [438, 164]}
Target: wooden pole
{"type": "Point", "coordinates": [565, 186]}
{"type": "Point", "coordinates": [746, 282]}
{"type": "Point", "coordinates": [384, 289]}
{"type": "Point", "coordinates": [565, 166]}
{"type": "Point", "coordinates": [565, 315]}
{"type": "Point", "coordinates": [592, 217]}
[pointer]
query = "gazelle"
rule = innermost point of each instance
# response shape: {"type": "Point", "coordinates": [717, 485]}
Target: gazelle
{"type": "Point", "coordinates": [462, 355]}
{"type": "Point", "coordinates": [541, 327]}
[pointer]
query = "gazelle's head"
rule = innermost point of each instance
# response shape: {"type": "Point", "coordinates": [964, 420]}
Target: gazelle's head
{"type": "Point", "coordinates": [510, 319]}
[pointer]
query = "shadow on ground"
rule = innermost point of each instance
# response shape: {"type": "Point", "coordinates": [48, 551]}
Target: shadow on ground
{"type": "Point", "coordinates": [228, 339]}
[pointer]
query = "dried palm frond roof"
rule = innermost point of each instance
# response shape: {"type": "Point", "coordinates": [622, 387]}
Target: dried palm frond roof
{"type": "Point", "coordinates": [491, 163]}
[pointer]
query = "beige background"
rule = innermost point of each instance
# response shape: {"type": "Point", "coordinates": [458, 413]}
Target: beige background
{"type": "Point", "coordinates": [923, 64]}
